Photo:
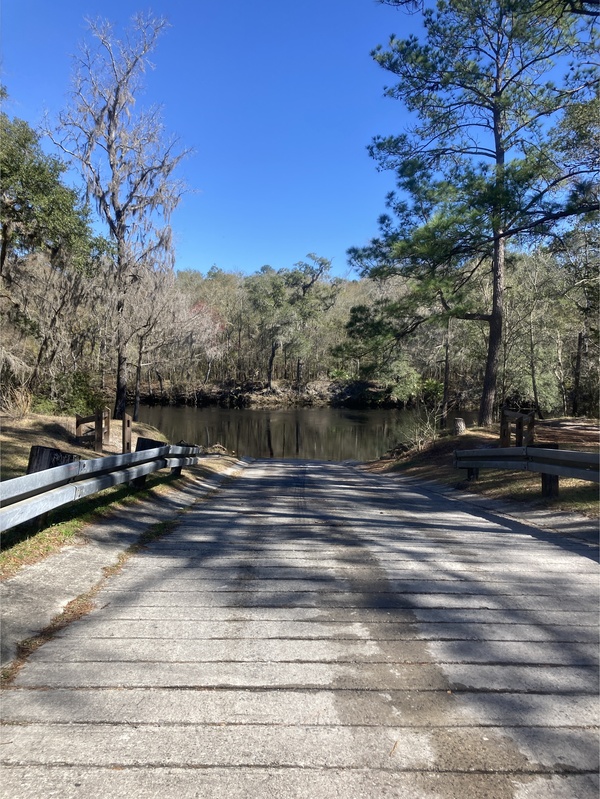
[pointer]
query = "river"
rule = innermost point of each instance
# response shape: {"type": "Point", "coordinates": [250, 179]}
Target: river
{"type": "Point", "coordinates": [320, 433]}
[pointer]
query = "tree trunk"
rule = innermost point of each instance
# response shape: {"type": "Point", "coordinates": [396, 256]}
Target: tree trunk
{"type": "Point", "coordinates": [209, 366]}
{"type": "Point", "coordinates": [446, 396]}
{"type": "Point", "coordinates": [560, 374]}
{"type": "Point", "coordinates": [532, 368]}
{"type": "Point", "coordinates": [160, 383]}
{"type": "Point", "coordinates": [138, 380]}
{"type": "Point", "coordinates": [299, 373]}
{"type": "Point", "coordinates": [274, 348]}
{"type": "Point", "coordinates": [488, 396]}
{"type": "Point", "coordinates": [577, 375]}
{"type": "Point", "coordinates": [121, 393]}
{"type": "Point", "coordinates": [4, 246]}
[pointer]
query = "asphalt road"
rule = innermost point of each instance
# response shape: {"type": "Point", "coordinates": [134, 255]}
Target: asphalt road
{"type": "Point", "coordinates": [312, 631]}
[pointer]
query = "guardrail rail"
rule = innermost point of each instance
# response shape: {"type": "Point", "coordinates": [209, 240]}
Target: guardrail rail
{"type": "Point", "coordinates": [25, 498]}
{"type": "Point", "coordinates": [547, 462]}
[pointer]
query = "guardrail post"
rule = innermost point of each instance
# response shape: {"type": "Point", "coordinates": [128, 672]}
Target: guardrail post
{"type": "Point", "coordinates": [98, 430]}
{"type": "Point", "coordinates": [42, 458]}
{"type": "Point", "coordinates": [549, 481]}
{"type": "Point", "coordinates": [549, 485]}
{"type": "Point", "coordinates": [145, 443]}
{"type": "Point", "coordinates": [504, 431]}
{"type": "Point", "coordinates": [126, 432]}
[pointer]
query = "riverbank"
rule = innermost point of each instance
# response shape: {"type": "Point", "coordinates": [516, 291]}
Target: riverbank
{"type": "Point", "coordinates": [359, 395]}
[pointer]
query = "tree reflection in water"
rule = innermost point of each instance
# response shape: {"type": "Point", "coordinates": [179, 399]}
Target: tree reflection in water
{"type": "Point", "coordinates": [314, 433]}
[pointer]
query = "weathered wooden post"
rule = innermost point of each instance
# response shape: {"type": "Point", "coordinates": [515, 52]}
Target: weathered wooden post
{"type": "Point", "coordinates": [107, 414]}
{"type": "Point", "coordinates": [41, 458]}
{"type": "Point", "coordinates": [126, 438]}
{"type": "Point", "coordinates": [504, 429]}
{"type": "Point", "coordinates": [98, 429]}
{"type": "Point", "coordinates": [519, 431]}
{"type": "Point", "coordinates": [529, 431]}
{"type": "Point", "coordinates": [549, 481]}
{"type": "Point", "coordinates": [145, 443]}
{"type": "Point", "coordinates": [550, 485]}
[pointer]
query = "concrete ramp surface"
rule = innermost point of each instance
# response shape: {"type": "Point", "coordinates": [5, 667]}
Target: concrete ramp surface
{"type": "Point", "coordinates": [312, 631]}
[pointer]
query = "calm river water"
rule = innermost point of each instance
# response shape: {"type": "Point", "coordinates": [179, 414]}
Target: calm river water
{"type": "Point", "coordinates": [319, 433]}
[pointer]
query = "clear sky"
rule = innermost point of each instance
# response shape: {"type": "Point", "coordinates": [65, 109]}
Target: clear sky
{"type": "Point", "coordinates": [278, 99]}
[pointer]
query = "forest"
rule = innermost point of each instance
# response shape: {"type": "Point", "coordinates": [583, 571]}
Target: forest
{"type": "Point", "coordinates": [480, 289]}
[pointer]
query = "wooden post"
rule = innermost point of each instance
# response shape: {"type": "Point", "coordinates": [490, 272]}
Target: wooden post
{"type": "Point", "coordinates": [529, 433]}
{"type": "Point", "coordinates": [126, 432]}
{"type": "Point", "coordinates": [107, 425]}
{"type": "Point", "coordinates": [145, 443]}
{"type": "Point", "coordinates": [41, 458]}
{"type": "Point", "coordinates": [98, 430]}
{"type": "Point", "coordinates": [79, 423]}
{"type": "Point", "coordinates": [519, 431]}
{"type": "Point", "coordinates": [504, 430]}
{"type": "Point", "coordinates": [550, 485]}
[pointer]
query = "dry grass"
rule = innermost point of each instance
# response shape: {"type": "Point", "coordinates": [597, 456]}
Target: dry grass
{"type": "Point", "coordinates": [435, 463]}
{"type": "Point", "coordinates": [17, 436]}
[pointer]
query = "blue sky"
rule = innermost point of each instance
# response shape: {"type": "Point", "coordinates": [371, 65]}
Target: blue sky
{"type": "Point", "coordinates": [278, 99]}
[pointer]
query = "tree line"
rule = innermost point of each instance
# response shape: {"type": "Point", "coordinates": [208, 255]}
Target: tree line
{"type": "Point", "coordinates": [480, 289]}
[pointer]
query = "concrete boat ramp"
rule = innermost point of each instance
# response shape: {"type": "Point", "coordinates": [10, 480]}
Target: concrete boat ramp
{"type": "Point", "coordinates": [312, 631]}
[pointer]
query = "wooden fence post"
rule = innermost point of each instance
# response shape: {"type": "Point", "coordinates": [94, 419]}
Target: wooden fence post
{"type": "Point", "coordinates": [519, 431]}
{"type": "Point", "coordinates": [126, 432]}
{"type": "Point", "coordinates": [98, 429]}
{"type": "Point", "coordinates": [529, 432]}
{"type": "Point", "coordinates": [107, 414]}
{"type": "Point", "coordinates": [504, 430]}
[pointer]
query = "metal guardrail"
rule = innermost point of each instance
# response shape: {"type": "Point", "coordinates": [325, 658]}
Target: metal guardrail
{"type": "Point", "coordinates": [25, 498]}
{"type": "Point", "coordinates": [565, 463]}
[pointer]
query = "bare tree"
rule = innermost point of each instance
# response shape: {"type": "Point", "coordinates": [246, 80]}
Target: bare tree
{"type": "Point", "coordinates": [126, 160]}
